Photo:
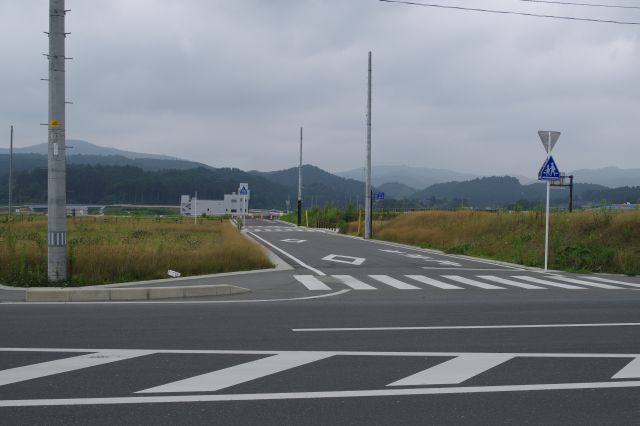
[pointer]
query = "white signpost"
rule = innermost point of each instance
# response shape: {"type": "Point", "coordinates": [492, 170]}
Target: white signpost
{"type": "Point", "coordinates": [549, 171]}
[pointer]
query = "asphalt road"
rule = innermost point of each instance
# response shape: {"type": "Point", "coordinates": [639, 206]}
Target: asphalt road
{"type": "Point", "coordinates": [390, 340]}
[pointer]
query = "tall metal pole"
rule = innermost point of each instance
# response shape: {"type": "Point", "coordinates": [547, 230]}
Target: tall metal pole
{"type": "Point", "coordinates": [570, 193]}
{"type": "Point", "coordinates": [10, 171]}
{"type": "Point", "coordinates": [57, 197]}
{"type": "Point", "coordinates": [300, 183]}
{"type": "Point", "coordinates": [546, 234]}
{"type": "Point", "coordinates": [367, 211]}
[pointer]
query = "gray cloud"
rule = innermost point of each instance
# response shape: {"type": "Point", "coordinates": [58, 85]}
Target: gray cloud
{"type": "Point", "coordinates": [229, 83]}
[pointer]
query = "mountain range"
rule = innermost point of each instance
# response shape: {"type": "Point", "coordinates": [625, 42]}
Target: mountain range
{"type": "Point", "coordinates": [106, 175]}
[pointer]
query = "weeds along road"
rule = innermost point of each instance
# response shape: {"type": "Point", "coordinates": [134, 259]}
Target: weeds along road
{"type": "Point", "coordinates": [372, 334]}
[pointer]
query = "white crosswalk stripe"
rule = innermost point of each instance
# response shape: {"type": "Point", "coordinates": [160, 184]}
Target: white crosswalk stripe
{"type": "Point", "coordinates": [474, 283]}
{"type": "Point", "coordinates": [354, 283]}
{"type": "Point", "coordinates": [385, 279]}
{"type": "Point", "coordinates": [311, 282]}
{"type": "Point", "coordinates": [442, 282]}
{"type": "Point", "coordinates": [510, 282]}
{"type": "Point", "coordinates": [606, 280]}
{"type": "Point", "coordinates": [435, 283]}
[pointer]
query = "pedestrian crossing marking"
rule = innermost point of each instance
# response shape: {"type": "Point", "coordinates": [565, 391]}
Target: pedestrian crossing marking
{"type": "Point", "coordinates": [311, 282]}
{"type": "Point", "coordinates": [500, 280]}
{"type": "Point", "coordinates": [454, 371]}
{"type": "Point", "coordinates": [605, 280]}
{"type": "Point", "coordinates": [587, 283]}
{"type": "Point", "coordinates": [549, 283]}
{"type": "Point", "coordinates": [474, 283]}
{"type": "Point", "coordinates": [630, 371]}
{"type": "Point", "coordinates": [237, 374]}
{"type": "Point", "coordinates": [435, 283]}
{"type": "Point", "coordinates": [354, 283]}
{"type": "Point", "coordinates": [385, 279]}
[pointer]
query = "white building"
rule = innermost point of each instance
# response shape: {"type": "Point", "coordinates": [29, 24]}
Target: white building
{"type": "Point", "coordinates": [234, 204]}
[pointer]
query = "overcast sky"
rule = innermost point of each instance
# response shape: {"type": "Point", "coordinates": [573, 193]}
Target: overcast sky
{"type": "Point", "coordinates": [229, 83]}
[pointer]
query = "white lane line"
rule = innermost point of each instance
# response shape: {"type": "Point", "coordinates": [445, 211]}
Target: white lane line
{"type": "Point", "coordinates": [500, 280]}
{"type": "Point", "coordinates": [454, 371]}
{"type": "Point", "coordinates": [587, 283]}
{"type": "Point", "coordinates": [474, 283]}
{"type": "Point", "coordinates": [316, 395]}
{"type": "Point", "coordinates": [227, 377]}
{"type": "Point", "coordinates": [547, 282]}
{"type": "Point", "coordinates": [435, 283]}
{"type": "Point", "coordinates": [630, 371]}
{"type": "Point", "coordinates": [354, 283]}
{"type": "Point", "coordinates": [298, 261]}
{"type": "Point", "coordinates": [472, 327]}
{"type": "Point", "coordinates": [605, 280]}
{"type": "Point", "coordinates": [386, 279]}
{"type": "Point", "coordinates": [43, 369]}
{"type": "Point", "coordinates": [311, 282]}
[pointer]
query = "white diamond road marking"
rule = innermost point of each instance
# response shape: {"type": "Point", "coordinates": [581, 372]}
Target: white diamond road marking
{"type": "Point", "coordinates": [454, 371]}
{"type": "Point", "coordinates": [461, 368]}
{"type": "Point", "coordinates": [355, 284]}
{"type": "Point", "coordinates": [238, 374]}
{"type": "Point", "coordinates": [311, 282]}
{"type": "Point", "coordinates": [474, 283]}
{"type": "Point", "coordinates": [435, 283]}
{"type": "Point", "coordinates": [345, 259]}
{"type": "Point", "coordinates": [43, 369]}
{"type": "Point", "coordinates": [385, 279]}
{"type": "Point", "coordinates": [510, 282]}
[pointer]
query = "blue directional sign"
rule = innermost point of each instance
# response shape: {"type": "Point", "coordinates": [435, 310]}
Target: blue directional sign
{"type": "Point", "coordinates": [380, 196]}
{"type": "Point", "coordinates": [549, 170]}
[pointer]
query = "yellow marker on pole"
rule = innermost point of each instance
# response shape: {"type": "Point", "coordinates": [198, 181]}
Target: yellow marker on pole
{"type": "Point", "coordinates": [359, 218]}
{"type": "Point", "coordinates": [54, 124]}
{"type": "Point", "coordinates": [306, 214]}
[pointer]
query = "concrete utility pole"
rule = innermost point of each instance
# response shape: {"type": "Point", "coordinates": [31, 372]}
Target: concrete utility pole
{"type": "Point", "coordinates": [57, 197]}
{"type": "Point", "coordinates": [10, 170]}
{"type": "Point", "coordinates": [300, 183]}
{"type": "Point", "coordinates": [367, 204]}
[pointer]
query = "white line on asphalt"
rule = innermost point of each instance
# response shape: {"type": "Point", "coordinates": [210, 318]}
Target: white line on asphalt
{"type": "Point", "coordinates": [315, 395]}
{"type": "Point", "coordinates": [386, 279]}
{"type": "Point", "coordinates": [355, 284]}
{"type": "Point", "coordinates": [474, 283]}
{"type": "Point", "coordinates": [547, 282]}
{"type": "Point", "coordinates": [630, 371]}
{"type": "Point", "coordinates": [605, 280]}
{"type": "Point", "coordinates": [311, 282]}
{"type": "Point", "coordinates": [471, 327]}
{"type": "Point", "coordinates": [510, 282]}
{"type": "Point", "coordinates": [454, 371]}
{"type": "Point", "coordinates": [587, 283]}
{"type": "Point", "coordinates": [298, 261]}
{"type": "Point", "coordinates": [435, 283]}
{"type": "Point", "coordinates": [237, 374]}
{"type": "Point", "coordinates": [49, 368]}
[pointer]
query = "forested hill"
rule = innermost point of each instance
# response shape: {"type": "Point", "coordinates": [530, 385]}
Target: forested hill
{"type": "Point", "coordinates": [87, 184]}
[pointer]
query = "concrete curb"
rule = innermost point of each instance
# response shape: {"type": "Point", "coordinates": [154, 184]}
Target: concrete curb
{"type": "Point", "coordinates": [123, 294]}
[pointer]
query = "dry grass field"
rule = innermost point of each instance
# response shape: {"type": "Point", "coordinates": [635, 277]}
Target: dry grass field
{"type": "Point", "coordinates": [115, 249]}
{"type": "Point", "coordinates": [595, 241]}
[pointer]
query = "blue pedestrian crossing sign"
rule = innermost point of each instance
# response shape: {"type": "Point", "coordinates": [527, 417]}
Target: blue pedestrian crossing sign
{"type": "Point", "coordinates": [549, 170]}
{"type": "Point", "coordinates": [380, 196]}
{"type": "Point", "coordinates": [243, 191]}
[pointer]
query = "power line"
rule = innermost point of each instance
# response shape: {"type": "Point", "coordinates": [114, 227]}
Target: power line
{"type": "Point", "coordinates": [565, 3]}
{"type": "Point", "coordinates": [508, 12]}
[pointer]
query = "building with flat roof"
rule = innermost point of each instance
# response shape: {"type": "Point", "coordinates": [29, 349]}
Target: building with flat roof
{"type": "Point", "coordinates": [234, 204]}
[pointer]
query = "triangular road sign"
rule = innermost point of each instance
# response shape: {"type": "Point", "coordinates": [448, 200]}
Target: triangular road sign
{"type": "Point", "coordinates": [549, 170]}
{"type": "Point", "coordinates": [243, 190]}
{"type": "Point", "coordinates": [548, 139]}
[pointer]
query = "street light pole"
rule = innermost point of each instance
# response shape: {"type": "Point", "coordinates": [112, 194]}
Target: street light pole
{"type": "Point", "coordinates": [368, 198]}
{"type": "Point", "coordinates": [10, 171]}
{"type": "Point", "coordinates": [300, 183]}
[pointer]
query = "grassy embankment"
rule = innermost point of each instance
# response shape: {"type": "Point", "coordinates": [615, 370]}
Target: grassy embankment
{"type": "Point", "coordinates": [589, 241]}
{"type": "Point", "coordinates": [115, 249]}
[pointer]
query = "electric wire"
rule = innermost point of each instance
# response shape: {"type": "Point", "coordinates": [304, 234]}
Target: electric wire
{"type": "Point", "coordinates": [509, 12]}
{"type": "Point", "coordinates": [566, 3]}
